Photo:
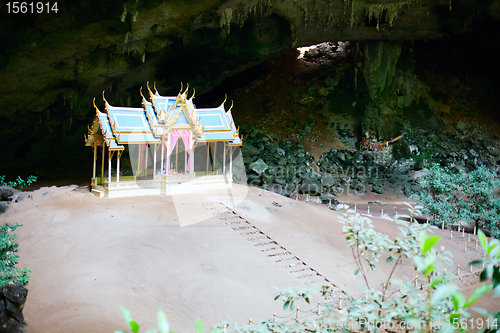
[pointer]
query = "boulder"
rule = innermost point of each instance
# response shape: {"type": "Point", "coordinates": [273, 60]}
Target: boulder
{"type": "Point", "coordinates": [311, 186]}
{"type": "Point", "coordinates": [12, 298]}
{"type": "Point", "coordinates": [259, 166]}
{"type": "Point", "coordinates": [249, 150]}
{"type": "Point", "coordinates": [378, 189]}
{"type": "Point", "coordinates": [328, 180]}
{"type": "Point", "coordinates": [6, 193]}
{"type": "Point", "coordinates": [3, 207]}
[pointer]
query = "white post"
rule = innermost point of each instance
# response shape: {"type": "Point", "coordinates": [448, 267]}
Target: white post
{"type": "Point", "coordinates": [191, 152]}
{"type": "Point", "coordinates": [214, 165]}
{"type": "Point", "coordinates": [154, 162]}
{"type": "Point", "coordinates": [102, 163]}
{"type": "Point", "coordinates": [224, 160]}
{"type": "Point", "coordinates": [109, 167]}
{"type": "Point", "coordinates": [167, 169]}
{"type": "Point", "coordinates": [208, 156]}
{"type": "Point", "coordinates": [95, 158]}
{"type": "Point", "coordinates": [118, 155]}
{"type": "Point", "coordinates": [231, 162]}
{"type": "Point", "coordinates": [162, 155]}
{"type": "Point", "coordinates": [146, 160]}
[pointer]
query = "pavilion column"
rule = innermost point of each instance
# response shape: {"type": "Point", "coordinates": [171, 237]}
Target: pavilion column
{"type": "Point", "coordinates": [224, 160]}
{"type": "Point", "coordinates": [95, 158]}
{"type": "Point", "coordinates": [215, 158]}
{"type": "Point", "coordinates": [146, 159]}
{"type": "Point", "coordinates": [231, 161]}
{"type": "Point", "coordinates": [139, 154]}
{"type": "Point", "coordinates": [118, 156]}
{"type": "Point", "coordinates": [167, 169]}
{"type": "Point", "coordinates": [208, 156]}
{"type": "Point", "coordinates": [110, 156]}
{"type": "Point", "coordinates": [191, 153]}
{"type": "Point", "coordinates": [154, 161]}
{"type": "Point", "coordinates": [162, 155]}
{"type": "Point", "coordinates": [102, 163]}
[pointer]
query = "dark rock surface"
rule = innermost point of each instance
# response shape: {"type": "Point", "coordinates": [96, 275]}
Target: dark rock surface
{"type": "Point", "coordinates": [12, 299]}
{"type": "Point", "coordinates": [53, 65]}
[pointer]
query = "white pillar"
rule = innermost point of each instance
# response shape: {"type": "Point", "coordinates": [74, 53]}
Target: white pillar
{"type": "Point", "coordinates": [95, 158]}
{"type": "Point", "coordinates": [162, 155]}
{"type": "Point", "coordinates": [154, 162]}
{"type": "Point", "coordinates": [102, 164]}
{"type": "Point", "coordinates": [109, 167]}
{"type": "Point", "coordinates": [146, 148]}
{"type": "Point", "coordinates": [118, 155]}
{"type": "Point", "coordinates": [214, 166]}
{"type": "Point", "coordinates": [231, 162]}
{"type": "Point", "coordinates": [167, 169]}
{"type": "Point", "coordinates": [139, 150]}
{"type": "Point", "coordinates": [224, 160]}
{"type": "Point", "coordinates": [191, 151]}
{"type": "Point", "coordinates": [208, 156]}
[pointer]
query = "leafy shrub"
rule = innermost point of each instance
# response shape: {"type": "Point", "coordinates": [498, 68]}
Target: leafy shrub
{"type": "Point", "coordinates": [19, 182]}
{"type": "Point", "coordinates": [8, 260]}
{"type": "Point", "coordinates": [450, 196]}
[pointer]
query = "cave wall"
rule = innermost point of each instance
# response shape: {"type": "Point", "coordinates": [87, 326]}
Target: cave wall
{"type": "Point", "coordinates": [53, 64]}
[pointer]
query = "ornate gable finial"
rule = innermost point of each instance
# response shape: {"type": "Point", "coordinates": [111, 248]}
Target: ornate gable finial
{"type": "Point", "coordinates": [194, 91]}
{"type": "Point", "coordinates": [150, 93]}
{"type": "Point", "coordinates": [106, 104]}
{"type": "Point", "coordinates": [225, 98]}
{"type": "Point", "coordinates": [104, 99]}
{"type": "Point", "coordinates": [140, 92]}
{"type": "Point", "coordinates": [187, 88]}
{"type": "Point", "coordinates": [180, 91]}
{"type": "Point", "coordinates": [96, 109]}
{"type": "Point", "coordinates": [229, 111]}
{"type": "Point", "coordinates": [156, 91]}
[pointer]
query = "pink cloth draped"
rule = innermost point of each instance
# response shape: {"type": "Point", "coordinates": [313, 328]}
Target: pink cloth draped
{"type": "Point", "coordinates": [185, 139]}
{"type": "Point", "coordinates": [174, 135]}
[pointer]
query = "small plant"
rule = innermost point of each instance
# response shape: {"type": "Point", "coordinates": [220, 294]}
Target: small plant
{"type": "Point", "coordinates": [163, 325]}
{"type": "Point", "coordinates": [8, 260]}
{"type": "Point", "coordinates": [19, 182]}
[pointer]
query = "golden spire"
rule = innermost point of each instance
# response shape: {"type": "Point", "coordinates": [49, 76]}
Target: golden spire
{"type": "Point", "coordinates": [150, 93]}
{"type": "Point", "coordinates": [106, 104]}
{"type": "Point", "coordinates": [96, 109]}
{"type": "Point", "coordinates": [156, 91]}
{"type": "Point", "coordinates": [104, 99]}
{"type": "Point", "coordinates": [225, 97]}
{"type": "Point", "coordinates": [140, 92]}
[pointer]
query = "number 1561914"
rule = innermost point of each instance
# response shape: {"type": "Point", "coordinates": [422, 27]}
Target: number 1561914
{"type": "Point", "coordinates": [31, 7]}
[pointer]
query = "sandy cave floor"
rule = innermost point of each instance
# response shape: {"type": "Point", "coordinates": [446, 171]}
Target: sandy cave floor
{"type": "Point", "coordinates": [212, 255]}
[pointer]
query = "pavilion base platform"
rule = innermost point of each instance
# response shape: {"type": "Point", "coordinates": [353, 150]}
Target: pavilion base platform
{"type": "Point", "coordinates": [164, 184]}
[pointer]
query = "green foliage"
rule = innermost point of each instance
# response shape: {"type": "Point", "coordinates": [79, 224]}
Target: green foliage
{"type": "Point", "coordinates": [8, 246]}
{"type": "Point", "coordinates": [433, 304]}
{"type": "Point", "coordinates": [19, 182]}
{"type": "Point", "coordinates": [449, 196]}
{"type": "Point", "coordinates": [163, 325]}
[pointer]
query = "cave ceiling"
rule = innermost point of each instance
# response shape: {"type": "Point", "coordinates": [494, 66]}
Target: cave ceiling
{"type": "Point", "coordinates": [53, 64]}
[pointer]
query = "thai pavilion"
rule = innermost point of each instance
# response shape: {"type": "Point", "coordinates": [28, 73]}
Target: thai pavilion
{"type": "Point", "coordinates": [173, 146]}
